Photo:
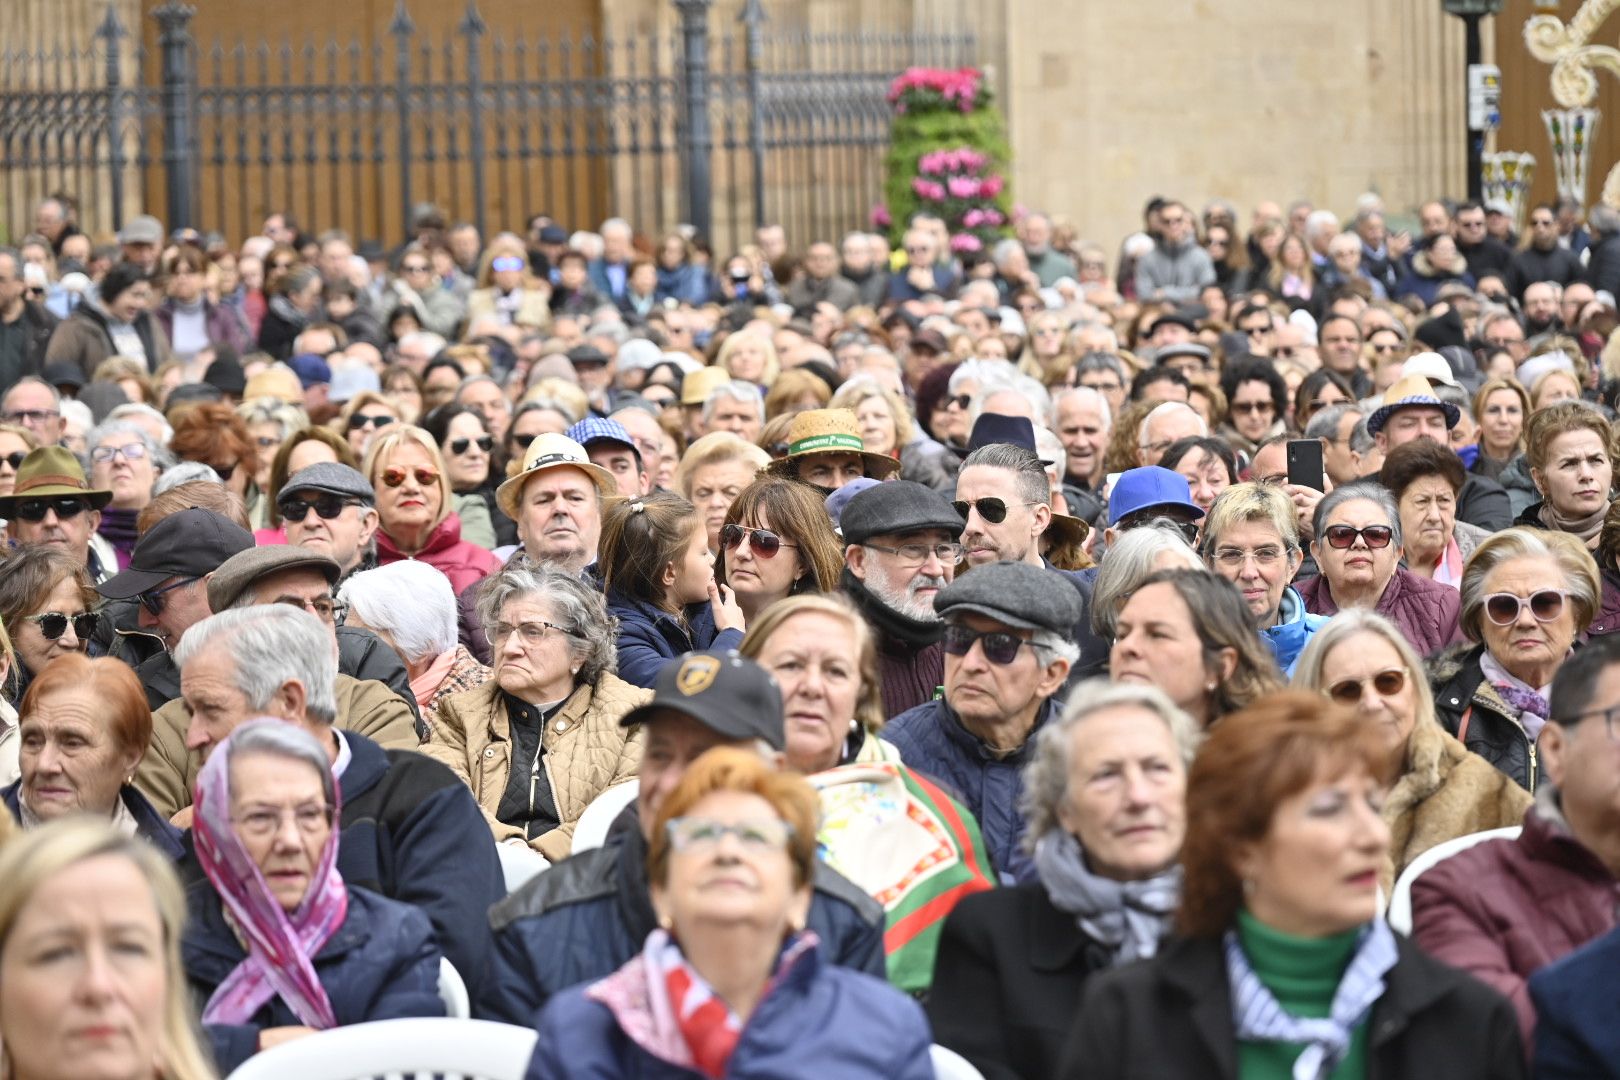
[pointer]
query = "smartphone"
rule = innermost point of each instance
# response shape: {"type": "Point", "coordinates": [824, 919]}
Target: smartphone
{"type": "Point", "coordinates": [1305, 463]}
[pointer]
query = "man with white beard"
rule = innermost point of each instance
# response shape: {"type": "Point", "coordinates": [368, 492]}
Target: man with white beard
{"type": "Point", "coordinates": [902, 549]}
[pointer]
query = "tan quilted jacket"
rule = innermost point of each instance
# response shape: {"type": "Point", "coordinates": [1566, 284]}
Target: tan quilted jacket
{"type": "Point", "coordinates": [586, 751]}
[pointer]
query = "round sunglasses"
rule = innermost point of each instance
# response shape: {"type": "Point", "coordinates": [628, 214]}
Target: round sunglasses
{"type": "Point", "coordinates": [765, 544]}
{"type": "Point", "coordinates": [1386, 683]}
{"type": "Point", "coordinates": [394, 476]}
{"type": "Point", "coordinates": [1503, 608]}
{"type": "Point", "coordinates": [1343, 536]}
{"type": "Point", "coordinates": [53, 624]}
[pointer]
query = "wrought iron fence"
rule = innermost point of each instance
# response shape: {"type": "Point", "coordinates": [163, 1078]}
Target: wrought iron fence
{"type": "Point", "coordinates": [722, 127]}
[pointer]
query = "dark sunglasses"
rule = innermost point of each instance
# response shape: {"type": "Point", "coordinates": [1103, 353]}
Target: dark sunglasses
{"type": "Point", "coordinates": [999, 646]}
{"type": "Point", "coordinates": [155, 600]}
{"type": "Point", "coordinates": [360, 420]}
{"type": "Point", "coordinates": [66, 507]}
{"type": "Point", "coordinates": [961, 401]}
{"type": "Point", "coordinates": [225, 472]}
{"type": "Point", "coordinates": [461, 446]}
{"type": "Point", "coordinates": [53, 624]}
{"type": "Point", "coordinates": [1252, 406]}
{"type": "Point", "coordinates": [1342, 536]}
{"type": "Point", "coordinates": [764, 542]}
{"type": "Point", "coordinates": [1384, 684]}
{"type": "Point", "coordinates": [15, 459]}
{"type": "Point", "coordinates": [992, 510]}
{"type": "Point", "coordinates": [327, 506]}
{"type": "Point", "coordinates": [394, 476]}
{"type": "Point", "coordinates": [1503, 608]}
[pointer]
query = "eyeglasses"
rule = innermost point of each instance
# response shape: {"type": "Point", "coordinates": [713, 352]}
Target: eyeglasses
{"type": "Point", "coordinates": [394, 476]}
{"type": "Point", "coordinates": [918, 553]}
{"type": "Point", "coordinates": [263, 821]}
{"type": "Point", "coordinates": [65, 507]}
{"type": "Point", "coordinates": [53, 624]}
{"type": "Point", "coordinates": [992, 509]}
{"type": "Point", "coordinates": [103, 454]}
{"type": "Point", "coordinates": [1383, 350]}
{"type": "Point", "coordinates": [1608, 716]}
{"type": "Point", "coordinates": [1234, 558]}
{"type": "Point", "coordinates": [761, 837]}
{"type": "Point", "coordinates": [155, 600]}
{"type": "Point", "coordinates": [225, 472]}
{"type": "Point", "coordinates": [323, 608]}
{"type": "Point", "coordinates": [1386, 683]}
{"type": "Point", "coordinates": [999, 646]}
{"type": "Point", "coordinates": [1503, 608]}
{"type": "Point", "coordinates": [32, 416]}
{"type": "Point", "coordinates": [360, 420]}
{"type": "Point", "coordinates": [1343, 536]}
{"type": "Point", "coordinates": [1256, 331]}
{"type": "Point", "coordinates": [765, 544]}
{"type": "Point", "coordinates": [1255, 407]}
{"type": "Point", "coordinates": [15, 459]}
{"type": "Point", "coordinates": [533, 633]}
{"type": "Point", "coordinates": [328, 507]}
{"type": "Point", "coordinates": [461, 446]}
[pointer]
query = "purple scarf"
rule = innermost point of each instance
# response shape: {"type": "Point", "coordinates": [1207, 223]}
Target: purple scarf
{"type": "Point", "coordinates": [281, 947]}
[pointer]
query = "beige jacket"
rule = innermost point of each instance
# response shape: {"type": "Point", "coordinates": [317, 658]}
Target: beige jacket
{"type": "Point", "coordinates": [168, 772]}
{"type": "Point", "coordinates": [586, 751]}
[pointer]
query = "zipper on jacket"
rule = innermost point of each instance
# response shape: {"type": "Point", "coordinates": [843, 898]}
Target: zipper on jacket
{"type": "Point", "coordinates": [1532, 743]}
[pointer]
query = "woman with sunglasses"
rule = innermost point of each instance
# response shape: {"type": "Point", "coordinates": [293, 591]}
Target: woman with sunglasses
{"type": "Point", "coordinates": [777, 541]}
{"type": "Point", "coordinates": [45, 604]}
{"type": "Point", "coordinates": [363, 416]}
{"type": "Point", "coordinates": [468, 448]}
{"type": "Point", "coordinates": [1440, 790]}
{"type": "Point", "coordinates": [1527, 594]}
{"type": "Point", "coordinates": [269, 422]}
{"type": "Point", "coordinates": [212, 433]}
{"type": "Point", "coordinates": [15, 443]}
{"type": "Point", "coordinates": [416, 519]}
{"type": "Point", "coordinates": [1358, 551]}
{"type": "Point", "coordinates": [84, 727]}
{"type": "Point", "coordinates": [506, 291]}
{"type": "Point", "coordinates": [1570, 453]}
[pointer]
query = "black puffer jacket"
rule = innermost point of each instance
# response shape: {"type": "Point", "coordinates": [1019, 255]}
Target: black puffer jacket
{"type": "Point", "coordinates": [1468, 707]}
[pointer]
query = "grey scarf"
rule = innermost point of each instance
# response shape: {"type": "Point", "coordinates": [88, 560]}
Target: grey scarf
{"type": "Point", "coordinates": [1128, 917]}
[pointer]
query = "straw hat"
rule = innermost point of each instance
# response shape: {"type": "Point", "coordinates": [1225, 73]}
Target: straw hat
{"type": "Point", "coordinates": [1409, 391]}
{"type": "Point", "coordinates": [550, 451]}
{"type": "Point", "coordinates": [829, 431]}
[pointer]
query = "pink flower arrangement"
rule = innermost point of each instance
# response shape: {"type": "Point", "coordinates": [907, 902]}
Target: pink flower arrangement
{"type": "Point", "coordinates": [966, 241]}
{"type": "Point", "coordinates": [938, 88]}
{"type": "Point", "coordinates": [881, 218]}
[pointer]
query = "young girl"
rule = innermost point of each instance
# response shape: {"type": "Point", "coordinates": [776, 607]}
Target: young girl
{"type": "Point", "coordinates": [659, 577]}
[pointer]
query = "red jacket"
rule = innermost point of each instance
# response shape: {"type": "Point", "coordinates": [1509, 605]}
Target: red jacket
{"type": "Point", "coordinates": [462, 562]}
{"type": "Point", "coordinates": [1504, 909]}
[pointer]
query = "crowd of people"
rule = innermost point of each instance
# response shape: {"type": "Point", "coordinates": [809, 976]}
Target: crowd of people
{"type": "Point", "coordinates": [792, 662]}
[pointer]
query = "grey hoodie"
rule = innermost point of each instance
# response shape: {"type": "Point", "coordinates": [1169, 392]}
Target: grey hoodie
{"type": "Point", "coordinates": [1174, 273]}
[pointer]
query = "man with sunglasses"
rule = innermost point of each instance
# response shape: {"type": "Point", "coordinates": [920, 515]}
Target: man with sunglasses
{"type": "Point", "coordinates": [1007, 653]}
{"type": "Point", "coordinates": [1410, 410]}
{"type": "Point", "coordinates": [52, 503]}
{"type": "Point", "coordinates": [330, 509]}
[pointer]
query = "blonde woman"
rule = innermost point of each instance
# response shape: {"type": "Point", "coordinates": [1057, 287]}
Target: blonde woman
{"type": "Point", "coordinates": [414, 507]}
{"type": "Point", "coordinates": [749, 357]}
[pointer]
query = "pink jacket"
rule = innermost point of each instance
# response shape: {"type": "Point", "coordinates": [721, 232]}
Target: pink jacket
{"type": "Point", "coordinates": [463, 563]}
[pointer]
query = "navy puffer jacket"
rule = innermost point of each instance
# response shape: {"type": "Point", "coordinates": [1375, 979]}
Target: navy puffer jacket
{"type": "Point", "coordinates": [650, 637]}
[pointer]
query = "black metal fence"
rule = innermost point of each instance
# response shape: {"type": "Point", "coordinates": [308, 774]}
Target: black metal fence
{"type": "Point", "coordinates": [724, 127]}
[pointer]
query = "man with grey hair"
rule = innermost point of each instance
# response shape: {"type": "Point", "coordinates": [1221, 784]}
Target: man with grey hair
{"type": "Point", "coordinates": [1176, 269]}
{"type": "Point", "coordinates": [410, 830]}
{"type": "Point", "coordinates": [861, 270]}
{"type": "Point", "coordinates": [610, 274]}
{"type": "Point", "coordinates": [417, 349]}
{"type": "Point", "coordinates": [484, 396]}
{"type": "Point", "coordinates": [35, 404]}
{"type": "Point", "coordinates": [1335, 425]}
{"type": "Point", "coordinates": [737, 407]}
{"type": "Point", "coordinates": [1007, 653]}
{"type": "Point", "coordinates": [1046, 263]}
{"type": "Point", "coordinates": [1082, 422]}
{"type": "Point", "coordinates": [1168, 422]}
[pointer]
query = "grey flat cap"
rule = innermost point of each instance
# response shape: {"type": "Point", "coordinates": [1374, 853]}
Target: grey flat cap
{"type": "Point", "coordinates": [237, 573]}
{"type": "Point", "coordinates": [333, 478]}
{"type": "Point", "coordinates": [1020, 595]}
{"type": "Point", "coordinates": [898, 506]}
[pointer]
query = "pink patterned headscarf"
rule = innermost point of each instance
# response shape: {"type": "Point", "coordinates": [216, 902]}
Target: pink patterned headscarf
{"type": "Point", "coordinates": [281, 947]}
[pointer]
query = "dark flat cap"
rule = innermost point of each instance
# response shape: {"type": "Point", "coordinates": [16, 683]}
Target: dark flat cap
{"type": "Point", "coordinates": [332, 478]}
{"type": "Point", "coordinates": [237, 573]}
{"type": "Point", "coordinates": [899, 506]}
{"type": "Point", "coordinates": [1015, 593]}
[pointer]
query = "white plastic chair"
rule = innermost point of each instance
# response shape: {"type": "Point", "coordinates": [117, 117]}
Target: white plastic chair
{"type": "Point", "coordinates": [451, 1048]}
{"type": "Point", "coordinates": [949, 1065]}
{"type": "Point", "coordinates": [519, 863]}
{"type": "Point", "coordinates": [592, 828]}
{"type": "Point", "coordinates": [1400, 902]}
{"type": "Point", "coordinates": [453, 991]}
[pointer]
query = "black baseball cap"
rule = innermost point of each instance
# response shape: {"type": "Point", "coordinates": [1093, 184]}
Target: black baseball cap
{"type": "Point", "coordinates": [724, 691]}
{"type": "Point", "coordinates": [191, 543]}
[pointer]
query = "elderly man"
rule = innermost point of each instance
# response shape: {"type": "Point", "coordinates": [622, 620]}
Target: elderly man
{"type": "Point", "coordinates": [641, 424]}
{"type": "Point", "coordinates": [589, 914]}
{"type": "Point", "coordinates": [1047, 264]}
{"type": "Point", "coordinates": [859, 268]}
{"type": "Point", "coordinates": [737, 407]}
{"type": "Point", "coordinates": [53, 504]}
{"type": "Point", "coordinates": [610, 274]}
{"type": "Point", "coordinates": [1411, 411]}
{"type": "Point", "coordinates": [141, 239]}
{"type": "Point", "coordinates": [901, 551]}
{"type": "Point", "coordinates": [609, 445]}
{"type": "Point", "coordinates": [410, 830]}
{"type": "Point", "coordinates": [483, 395]}
{"type": "Point", "coordinates": [1504, 909]}
{"type": "Point", "coordinates": [36, 405]}
{"type": "Point", "coordinates": [1165, 425]}
{"type": "Point", "coordinates": [1007, 652]}
{"type": "Point", "coordinates": [1338, 342]}
{"type": "Point", "coordinates": [826, 451]}
{"type": "Point", "coordinates": [343, 526]}
{"type": "Point", "coordinates": [1334, 425]}
{"type": "Point", "coordinates": [1345, 268]}
{"type": "Point", "coordinates": [1083, 424]}
{"type": "Point", "coordinates": [922, 275]}
{"type": "Point", "coordinates": [819, 282]}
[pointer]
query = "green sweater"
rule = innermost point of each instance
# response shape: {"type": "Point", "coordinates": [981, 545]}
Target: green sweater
{"type": "Point", "coordinates": [1303, 974]}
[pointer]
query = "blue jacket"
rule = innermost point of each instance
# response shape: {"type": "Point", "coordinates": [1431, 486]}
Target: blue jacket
{"type": "Point", "coordinates": [149, 824]}
{"type": "Point", "coordinates": [649, 637]}
{"type": "Point", "coordinates": [1577, 1037]}
{"type": "Point", "coordinates": [1287, 639]}
{"type": "Point", "coordinates": [585, 917]}
{"type": "Point", "coordinates": [381, 964]}
{"type": "Point", "coordinates": [932, 740]}
{"type": "Point", "coordinates": [816, 1021]}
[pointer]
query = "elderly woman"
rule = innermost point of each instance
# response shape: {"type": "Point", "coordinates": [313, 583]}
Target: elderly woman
{"type": "Point", "coordinates": [277, 945]}
{"type": "Point", "coordinates": [777, 541]}
{"type": "Point", "coordinates": [1251, 538]}
{"type": "Point", "coordinates": [415, 517]}
{"type": "Point", "coordinates": [1282, 966]}
{"type": "Point", "coordinates": [1441, 790]}
{"type": "Point", "coordinates": [821, 653]}
{"type": "Point", "coordinates": [1358, 550]}
{"type": "Point", "coordinates": [1208, 464]}
{"type": "Point", "coordinates": [84, 728]}
{"type": "Point", "coordinates": [1188, 633]}
{"type": "Point", "coordinates": [1527, 594]}
{"type": "Point", "coordinates": [1105, 797]}
{"type": "Point", "coordinates": [118, 1008]}
{"type": "Point", "coordinates": [713, 472]}
{"type": "Point", "coordinates": [885, 424]}
{"type": "Point", "coordinates": [410, 606]}
{"type": "Point", "coordinates": [506, 292]}
{"type": "Point", "coordinates": [1500, 407]}
{"type": "Point", "coordinates": [1132, 557]}
{"type": "Point", "coordinates": [731, 985]}
{"type": "Point", "coordinates": [212, 433]}
{"type": "Point", "coordinates": [125, 461]}
{"type": "Point", "coordinates": [269, 422]}
{"type": "Point", "coordinates": [45, 602]}
{"type": "Point", "coordinates": [542, 738]}
{"type": "Point", "coordinates": [1572, 466]}
{"type": "Point", "coordinates": [1426, 478]}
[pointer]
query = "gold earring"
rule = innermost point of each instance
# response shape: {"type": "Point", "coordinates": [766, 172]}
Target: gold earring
{"type": "Point", "coordinates": [665, 923]}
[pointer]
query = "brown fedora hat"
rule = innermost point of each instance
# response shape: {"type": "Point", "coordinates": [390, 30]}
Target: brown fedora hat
{"type": "Point", "coordinates": [52, 472]}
